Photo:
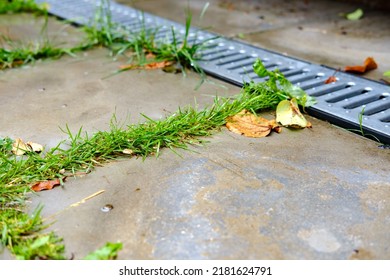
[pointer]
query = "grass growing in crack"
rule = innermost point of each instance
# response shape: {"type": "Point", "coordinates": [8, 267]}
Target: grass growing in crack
{"type": "Point", "coordinates": [19, 6]}
{"type": "Point", "coordinates": [176, 49]}
{"type": "Point", "coordinates": [188, 126]}
{"type": "Point", "coordinates": [103, 31]}
{"type": "Point", "coordinates": [16, 53]}
{"type": "Point", "coordinates": [361, 130]}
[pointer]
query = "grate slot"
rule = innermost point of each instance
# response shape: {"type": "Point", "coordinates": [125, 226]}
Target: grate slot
{"type": "Point", "coordinates": [312, 85]}
{"type": "Point", "coordinates": [229, 61]}
{"type": "Point", "coordinates": [360, 100]}
{"type": "Point", "coordinates": [382, 104]}
{"type": "Point", "coordinates": [266, 65]}
{"type": "Point", "coordinates": [385, 117]}
{"type": "Point", "coordinates": [224, 55]}
{"type": "Point", "coordinates": [345, 94]}
{"type": "Point", "coordinates": [244, 63]}
{"type": "Point", "coordinates": [327, 88]}
{"type": "Point", "coordinates": [302, 78]}
{"type": "Point", "coordinates": [293, 72]}
{"type": "Point", "coordinates": [212, 52]}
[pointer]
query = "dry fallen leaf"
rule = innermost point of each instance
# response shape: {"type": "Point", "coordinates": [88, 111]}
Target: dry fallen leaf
{"type": "Point", "coordinates": [288, 114]}
{"type": "Point", "coordinates": [149, 66]}
{"type": "Point", "coordinates": [369, 64]}
{"type": "Point", "coordinates": [331, 79]}
{"type": "Point", "coordinates": [45, 185]}
{"type": "Point", "coordinates": [19, 147]}
{"type": "Point", "coordinates": [35, 147]}
{"type": "Point", "coordinates": [150, 55]}
{"type": "Point", "coordinates": [246, 123]}
{"type": "Point", "coordinates": [128, 152]}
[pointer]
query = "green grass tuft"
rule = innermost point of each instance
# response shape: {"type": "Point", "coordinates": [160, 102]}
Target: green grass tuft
{"type": "Point", "coordinates": [20, 6]}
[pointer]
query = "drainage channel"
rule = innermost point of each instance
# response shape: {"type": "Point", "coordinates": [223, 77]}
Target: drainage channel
{"type": "Point", "coordinates": [351, 102]}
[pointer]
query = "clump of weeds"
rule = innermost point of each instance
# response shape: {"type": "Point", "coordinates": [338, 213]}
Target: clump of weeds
{"type": "Point", "coordinates": [15, 53]}
{"type": "Point", "coordinates": [142, 47]}
{"type": "Point", "coordinates": [21, 6]}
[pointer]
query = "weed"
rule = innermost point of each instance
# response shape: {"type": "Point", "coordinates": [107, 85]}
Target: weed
{"type": "Point", "coordinates": [361, 130]}
{"type": "Point", "coordinates": [17, 53]}
{"type": "Point", "coordinates": [275, 88]}
{"type": "Point", "coordinates": [103, 31]}
{"type": "Point", "coordinates": [108, 252]}
{"type": "Point", "coordinates": [18, 6]}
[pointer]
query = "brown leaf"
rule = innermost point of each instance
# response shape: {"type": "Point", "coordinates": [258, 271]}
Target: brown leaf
{"type": "Point", "coordinates": [331, 79]}
{"type": "Point", "coordinates": [45, 185]}
{"type": "Point", "coordinates": [149, 66]}
{"type": "Point", "coordinates": [245, 123]}
{"type": "Point", "coordinates": [150, 55]}
{"type": "Point", "coordinates": [369, 64]}
{"type": "Point", "coordinates": [129, 67]}
{"type": "Point", "coordinates": [157, 65]}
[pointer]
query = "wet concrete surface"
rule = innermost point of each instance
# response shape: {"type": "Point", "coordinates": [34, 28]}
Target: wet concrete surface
{"type": "Point", "coordinates": [319, 193]}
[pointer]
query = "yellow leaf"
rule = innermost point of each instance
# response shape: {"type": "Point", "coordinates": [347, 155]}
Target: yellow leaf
{"type": "Point", "coordinates": [288, 114]}
{"type": "Point", "coordinates": [19, 147]}
{"type": "Point", "coordinates": [128, 152]}
{"type": "Point", "coordinates": [245, 123]}
{"type": "Point", "coordinates": [35, 147]}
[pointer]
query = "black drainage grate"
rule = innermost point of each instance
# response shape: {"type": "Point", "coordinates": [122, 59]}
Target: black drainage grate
{"type": "Point", "coordinates": [351, 102]}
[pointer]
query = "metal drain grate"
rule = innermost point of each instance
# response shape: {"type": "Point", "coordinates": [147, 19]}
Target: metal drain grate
{"type": "Point", "coordinates": [340, 103]}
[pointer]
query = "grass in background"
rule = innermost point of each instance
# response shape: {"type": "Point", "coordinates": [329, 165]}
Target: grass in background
{"type": "Point", "coordinates": [103, 31]}
{"type": "Point", "coordinates": [15, 53]}
{"type": "Point", "coordinates": [19, 6]}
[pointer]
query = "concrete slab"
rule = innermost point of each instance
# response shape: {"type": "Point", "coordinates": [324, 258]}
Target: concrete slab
{"type": "Point", "coordinates": [298, 195]}
{"type": "Point", "coordinates": [313, 194]}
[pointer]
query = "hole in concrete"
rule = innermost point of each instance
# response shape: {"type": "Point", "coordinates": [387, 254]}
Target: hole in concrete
{"type": "Point", "coordinates": [107, 208]}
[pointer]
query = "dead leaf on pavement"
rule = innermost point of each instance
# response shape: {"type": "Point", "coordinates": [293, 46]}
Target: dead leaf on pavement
{"type": "Point", "coordinates": [128, 151]}
{"type": "Point", "coordinates": [246, 123]}
{"type": "Point", "coordinates": [148, 66]}
{"type": "Point", "coordinates": [35, 147]}
{"type": "Point", "coordinates": [45, 185]}
{"type": "Point", "coordinates": [288, 114]}
{"type": "Point", "coordinates": [150, 56]}
{"type": "Point", "coordinates": [20, 148]}
{"type": "Point", "coordinates": [369, 64]}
